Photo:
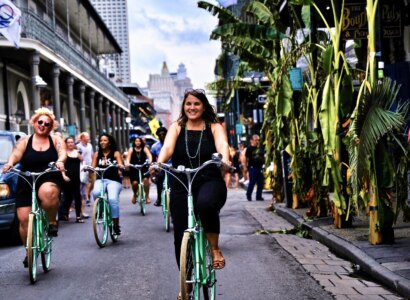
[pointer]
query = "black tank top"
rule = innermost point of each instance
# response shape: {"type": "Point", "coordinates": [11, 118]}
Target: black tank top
{"type": "Point", "coordinates": [138, 157]}
{"type": "Point", "coordinates": [72, 165]}
{"type": "Point", "coordinates": [103, 162]}
{"type": "Point", "coordinates": [37, 161]}
{"type": "Point", "coordinates": [206, 149]}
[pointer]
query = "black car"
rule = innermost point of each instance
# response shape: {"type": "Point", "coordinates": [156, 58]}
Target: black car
{"type": "Point", "coordinates": [9, 225]}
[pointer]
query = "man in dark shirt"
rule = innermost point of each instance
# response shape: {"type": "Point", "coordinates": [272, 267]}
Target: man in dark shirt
{"type": "Point", "coordinates": [255, 160]}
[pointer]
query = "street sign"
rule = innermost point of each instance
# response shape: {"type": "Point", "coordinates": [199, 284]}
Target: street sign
{"type": "Point", "coordinates": [296, 79]}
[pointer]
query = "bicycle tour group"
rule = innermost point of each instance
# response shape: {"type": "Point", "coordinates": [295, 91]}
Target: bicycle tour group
{"type": "Point", "coordinates": [189, 164]}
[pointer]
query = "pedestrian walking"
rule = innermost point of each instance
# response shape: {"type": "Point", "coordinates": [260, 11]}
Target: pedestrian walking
{"type": "Point", "coordinates": [71, 183]}
{"type": "Point", "coordinates": [87, 178]}
{"type": "Point", "coordinates": [255, 160]}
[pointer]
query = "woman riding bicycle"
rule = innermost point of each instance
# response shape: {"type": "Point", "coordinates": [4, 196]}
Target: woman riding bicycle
{"type": "Point", "coordinates": [106, 156]}
{"type": "Point", "coordinates": [191, 140]}
{"type": "Point", "coordinates": [137, 155]}
{"type": "Point", "coordinates": [34, 153]}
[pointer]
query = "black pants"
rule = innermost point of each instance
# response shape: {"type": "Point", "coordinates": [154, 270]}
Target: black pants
{"type": "Point", "coordinates": [209, 198]}
{"type": "Point", "coordinates": [71, 191]}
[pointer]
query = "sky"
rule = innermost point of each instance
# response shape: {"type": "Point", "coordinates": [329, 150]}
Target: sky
{"type": "Point", "coordinates": [175, 31]}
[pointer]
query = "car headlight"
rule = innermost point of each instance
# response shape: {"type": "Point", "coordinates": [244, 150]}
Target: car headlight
{"type": "Point", "coordinates": [4, 190]}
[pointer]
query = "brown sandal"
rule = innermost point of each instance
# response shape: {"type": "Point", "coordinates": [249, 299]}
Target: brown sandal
{"type": "Point", "coordinates": [218, 264]}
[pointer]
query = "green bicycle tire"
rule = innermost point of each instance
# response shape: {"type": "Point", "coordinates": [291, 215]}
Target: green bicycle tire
{"type": "Point", "coordinates": [167, 212]}
{"type": "Point", "coordinates": [187, 266]}
{"type": "Point", "coordinates": [141, 199]}
{"type": "Point", "coordinates": [209, 289]}
{"type": "Point", "coordinates": [32, 245]}
{"type": "Point", "coordinates": [100, 222]}
{"type": "Point", "coordinates": [47, 249]}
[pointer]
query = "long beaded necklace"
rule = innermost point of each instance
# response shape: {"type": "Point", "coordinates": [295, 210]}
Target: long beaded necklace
{"type": "Point", "coordinates": [138, 154]}
{"type": "Point", "coordinates": [198, 152]}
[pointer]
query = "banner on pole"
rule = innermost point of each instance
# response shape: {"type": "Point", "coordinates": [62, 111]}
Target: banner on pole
{"type": "Point", "coordinates": [10, 22]}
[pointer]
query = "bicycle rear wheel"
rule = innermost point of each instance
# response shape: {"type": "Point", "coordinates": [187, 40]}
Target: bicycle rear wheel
{"type": "Point", "coordinates": [141, 198]}
{"type": "Point", "coordinates": [100, 222]}
{"type": "Point", "coordinates": [209, 287]}
{"type": "Point", "coordinates": [187, 280]}
{"type": "Point", "coordinates": [48, 243]}
{"type": "Point", "coordinates": [32, 247]}
{"type": "Point", "coordinates": [166, 211]}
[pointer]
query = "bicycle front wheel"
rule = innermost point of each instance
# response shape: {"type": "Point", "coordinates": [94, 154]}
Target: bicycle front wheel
{"type": "Point", "coordinates": [187, 280]}
{"type": "Point", "coordinates": [141, 198]}
{"type": "Point", "coordinates": [209, 286]}
{"type": "Point", "coordinates": [100, 222]}
{"type": "Point", "coordinates": [48, 243]}
{"type": "Point", "coordinates": [32, 247]}
{"type": "Point", "coordinates": [166, 211]}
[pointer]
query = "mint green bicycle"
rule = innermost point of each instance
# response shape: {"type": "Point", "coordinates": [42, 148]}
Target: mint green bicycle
{"type": "Point", "coordinates": [195, 258]}
{"type": "Point", "coordinates": [102, 220]}
{"type": "Point", "coordinates": [38, 239]}
{"type": "Point", "coordinates": [141, 197]}
{"type": "Point", "coordinates": [165, 198]}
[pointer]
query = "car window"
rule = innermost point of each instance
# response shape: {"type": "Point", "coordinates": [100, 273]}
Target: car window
{"type": "Point", "coordinates": [6, 146]}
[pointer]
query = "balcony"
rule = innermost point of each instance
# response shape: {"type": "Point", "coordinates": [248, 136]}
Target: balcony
{"type": "Point", "coordinates": [33, 27]}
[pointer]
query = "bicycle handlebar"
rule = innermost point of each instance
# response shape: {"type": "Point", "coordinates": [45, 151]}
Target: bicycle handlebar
{"type": "Point", "coordinates": [34, 175]}
{"type": "Point", "coordinates": [139, 167]}
{"type": "Point", "coordinates": [98, 169]}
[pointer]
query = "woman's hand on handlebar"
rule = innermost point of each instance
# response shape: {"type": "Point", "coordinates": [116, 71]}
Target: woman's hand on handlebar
{"type": "Point", "coordinates": [154, 169]}
{"type": "Point", "coordinates": [7, 167]}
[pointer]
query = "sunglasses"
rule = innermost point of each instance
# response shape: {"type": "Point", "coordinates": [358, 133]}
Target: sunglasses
{"type": "Point", "coordinates": [41, 122]}
{"type": "Point", "coordinates": [194, 91]}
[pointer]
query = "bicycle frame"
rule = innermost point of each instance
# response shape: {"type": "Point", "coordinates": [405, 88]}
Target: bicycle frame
{"type": "Point", "coordinates": [104, 211]}
{"type": "Point", "coordinates": [38, 223]}
{"type": "Point", "coordinates": [165, 201]}
{"type": "Point", "coordinates": [141, 194]}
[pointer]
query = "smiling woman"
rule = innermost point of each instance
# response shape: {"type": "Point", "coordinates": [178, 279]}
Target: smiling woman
{"type": "Point", "coordinates": [190, 141]}
{"type": "Point", "coordinates": [34, 153]}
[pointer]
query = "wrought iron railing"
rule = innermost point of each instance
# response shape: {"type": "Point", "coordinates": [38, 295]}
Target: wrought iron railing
{"type": "Point", "coordinates": [34, 27]}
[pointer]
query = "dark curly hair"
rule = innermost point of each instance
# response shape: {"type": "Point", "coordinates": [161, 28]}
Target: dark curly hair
{"type": "Point", "coordinates": [112, 145]}
{"type": "Point", "coordinates": [209, 114]}
{"type": "Point", "coordinates": [141, 140]}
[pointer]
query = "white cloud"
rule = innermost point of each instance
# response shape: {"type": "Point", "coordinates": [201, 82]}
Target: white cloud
{"type": "Point", "coordinates": [173, 31]}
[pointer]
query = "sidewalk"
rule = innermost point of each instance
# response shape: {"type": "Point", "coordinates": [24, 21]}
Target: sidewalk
{"type": "Point", "coordinates": [387, 264]}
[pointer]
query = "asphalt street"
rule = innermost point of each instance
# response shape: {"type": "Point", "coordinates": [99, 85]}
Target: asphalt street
{"type": "Point", "coordinates": [142, 264]}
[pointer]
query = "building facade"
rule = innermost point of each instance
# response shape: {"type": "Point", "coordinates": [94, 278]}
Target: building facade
{"type": "Point", "coordinates": [114, 14]}
{"type": "Point", "coordinates": [57, 66]}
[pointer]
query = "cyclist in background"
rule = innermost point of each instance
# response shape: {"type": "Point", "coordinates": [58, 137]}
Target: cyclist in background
{"type": "Point", "coordinates": [155, 150]}
{"type": "Point", "coordinates": [106, 156]}
{"type": "Point", "coordinates": [137, 155]}
{"type": "Point", "coordinates": [34, 153]}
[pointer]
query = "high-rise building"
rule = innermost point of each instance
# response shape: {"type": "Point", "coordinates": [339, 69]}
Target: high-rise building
{"type": "Point", "coordinates": [114, 14]}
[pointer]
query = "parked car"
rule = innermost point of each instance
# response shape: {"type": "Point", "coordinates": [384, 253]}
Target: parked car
{"type": "Point", "coordinates": [9, 224]}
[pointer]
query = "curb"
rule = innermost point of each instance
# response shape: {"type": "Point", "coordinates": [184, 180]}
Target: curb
{"type": "Point", "coordinates": [343, 248]}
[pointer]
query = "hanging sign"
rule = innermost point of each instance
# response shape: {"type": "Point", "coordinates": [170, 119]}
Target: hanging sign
{"type": "Point", "coordinates": [296, 79]}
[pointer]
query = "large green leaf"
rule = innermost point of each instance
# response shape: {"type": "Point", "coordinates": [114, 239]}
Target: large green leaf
{"type": "Point", "coordinates": [284, 98]}
{"type": "Point", "coordinates": [223, 14]}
